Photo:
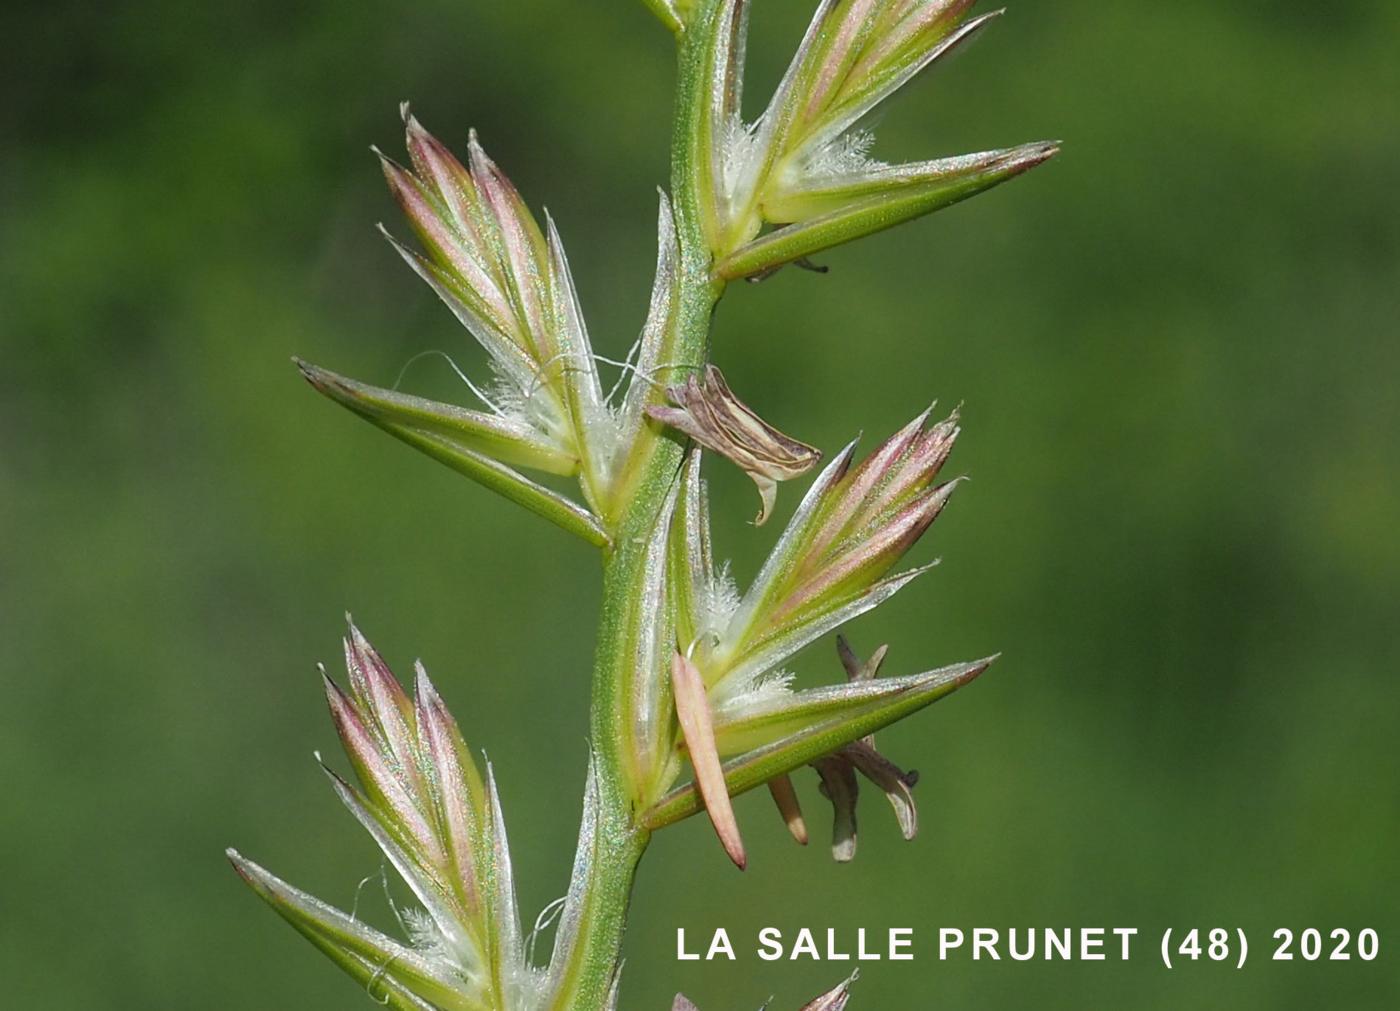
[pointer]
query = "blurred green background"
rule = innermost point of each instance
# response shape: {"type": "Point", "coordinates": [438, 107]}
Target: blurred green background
{"type": "Point", "coordinates": [1176, 346]}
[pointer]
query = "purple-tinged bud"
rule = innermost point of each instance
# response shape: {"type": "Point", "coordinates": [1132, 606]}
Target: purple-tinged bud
{"type": "Point", "coordinates": [441, 828]}
{"type": "Point", "coordinates": [507, 281]}
{"type": "Point", "coordinates": [804, 164]}
{"type": "Point", "coordinates": [908, 28]}
{"type": "Point", "coordinates": [870, 557]}
{"type": "Point", "coordinates": [380, 772]}
{"type": "Point", "coordinates": [832, 562]}
{"type": "Point", "coordinates": [458, 792]}
{"type": "Point", "coordinates": [382, 697]}
{"type": "Point", "coordinates": [524, 257]}
{"type": "Point", "coordinates": [448, 178]}
{"type": "Point", "coordinates": [465, 260]}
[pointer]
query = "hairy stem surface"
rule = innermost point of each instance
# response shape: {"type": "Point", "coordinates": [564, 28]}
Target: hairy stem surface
{"type": "Point", "coordinates": [620, 840]}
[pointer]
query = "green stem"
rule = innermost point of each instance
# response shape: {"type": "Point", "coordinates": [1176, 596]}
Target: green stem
{"type": "Point", "coordinates": [619, 838]}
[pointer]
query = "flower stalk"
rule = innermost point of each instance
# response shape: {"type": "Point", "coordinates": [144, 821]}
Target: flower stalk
{"type": "Point", "coordinates": [652, 467]}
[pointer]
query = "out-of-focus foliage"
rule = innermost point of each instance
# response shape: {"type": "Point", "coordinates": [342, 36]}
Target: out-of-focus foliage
{"type": "Point", "coordinates": [1177, 351]}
